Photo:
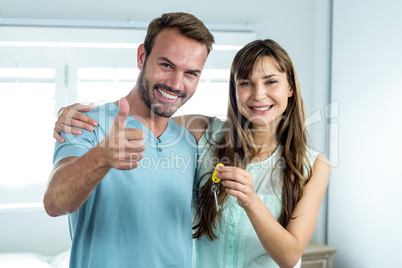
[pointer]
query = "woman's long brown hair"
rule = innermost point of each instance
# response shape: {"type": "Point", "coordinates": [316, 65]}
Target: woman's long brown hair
{"type": "Point", "coordinates": [236, 147]}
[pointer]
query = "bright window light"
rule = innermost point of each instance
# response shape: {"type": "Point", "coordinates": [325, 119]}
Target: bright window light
{"type": "Point", "coordinates": [226, 47]}
{"type": "Point", "coordinates": [96, 45]}
{"type": "Point", "coordinates": [100, 85]}
{"type": "Point", "coordinates": [101, 92]}
{"type": "Point", "coordinates": [203, 103]}
{"type": "Point", "coordinates": [27, 44]}
{"type": "Point", "coordinates": [15, 206]}
{"type": "Point", "coordinates": [68, 44]}
{"type": "Point", "coordinates": [215, 74]}
{"type": "Point", "coordinates": [114, 74]}
{"type": "Point", "coordinates": [28, 144]}
{"type": "Point", "coordinates": [27, 73]}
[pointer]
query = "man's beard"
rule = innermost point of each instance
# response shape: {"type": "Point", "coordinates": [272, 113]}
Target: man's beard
{"type": "Point", "coordinates": [161, 109]}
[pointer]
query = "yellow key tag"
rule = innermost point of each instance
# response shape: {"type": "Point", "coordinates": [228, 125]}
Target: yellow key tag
{"type": "Point", "coordinates": [214, 178]}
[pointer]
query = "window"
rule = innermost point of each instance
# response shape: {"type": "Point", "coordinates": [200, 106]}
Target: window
{"type": "Point", "coordinates": [43, 69]}
{"type": "Point", "coordinates": [102, 85]}
{"type": "Point", "coordinates": [27, 111]}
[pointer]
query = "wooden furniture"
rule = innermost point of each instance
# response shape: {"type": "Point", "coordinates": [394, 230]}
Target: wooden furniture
{"type": "Point", "coordinates": [317, 256]}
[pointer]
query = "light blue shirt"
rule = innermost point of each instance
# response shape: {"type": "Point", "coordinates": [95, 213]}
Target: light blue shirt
{"type": "Point", "coordinates": [140, 217]}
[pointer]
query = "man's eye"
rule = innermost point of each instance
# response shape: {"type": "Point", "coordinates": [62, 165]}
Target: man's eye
{"type": "Point", "coordinates": [193, 74]}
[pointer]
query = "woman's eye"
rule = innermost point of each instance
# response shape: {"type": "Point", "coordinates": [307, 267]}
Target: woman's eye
{"type": "Point", "coordinates": [270, 82]}
{"type": "Point", "coordinates": [245, 83]}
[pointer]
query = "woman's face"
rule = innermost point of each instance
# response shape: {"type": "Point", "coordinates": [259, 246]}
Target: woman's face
{"type": "Point", "coordinates": [262, 98]}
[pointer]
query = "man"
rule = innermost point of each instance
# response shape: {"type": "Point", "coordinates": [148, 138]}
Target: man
{"type": "Point", "coordinates": [122, 213]}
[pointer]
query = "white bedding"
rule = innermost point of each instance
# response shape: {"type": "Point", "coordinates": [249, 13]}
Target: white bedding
{"type": "Point", "coordinates": [33, 260]}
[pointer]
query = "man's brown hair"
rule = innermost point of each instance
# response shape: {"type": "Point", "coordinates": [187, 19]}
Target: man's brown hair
{"type": "Point", "coordinates": [187, 24]}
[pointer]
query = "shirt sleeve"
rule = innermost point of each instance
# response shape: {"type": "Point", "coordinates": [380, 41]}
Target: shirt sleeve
{"type": "Point", "coordinates": [311, 157]}
{"type": "Point", "coordinates": [74, 145]}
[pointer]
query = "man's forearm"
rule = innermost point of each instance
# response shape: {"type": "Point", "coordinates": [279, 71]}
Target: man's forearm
{"type": "Point", "coordinates": [72, 182]}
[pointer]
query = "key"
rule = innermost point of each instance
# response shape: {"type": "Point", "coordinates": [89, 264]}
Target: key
{"type": "Point", "coordinates": [215, 190]}
{"type": "Point", "coordinates": [214, 178]}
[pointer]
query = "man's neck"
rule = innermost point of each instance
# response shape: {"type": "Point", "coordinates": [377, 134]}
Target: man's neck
{"type": "Point", "coordinates": [140, 112]}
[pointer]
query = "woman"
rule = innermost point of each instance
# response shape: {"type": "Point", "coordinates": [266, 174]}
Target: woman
{"type": "Point", "coordinates": [272, 184]}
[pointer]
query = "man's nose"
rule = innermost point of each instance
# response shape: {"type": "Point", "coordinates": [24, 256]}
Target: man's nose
{"type": "Point", "coordinates": [176, 81]}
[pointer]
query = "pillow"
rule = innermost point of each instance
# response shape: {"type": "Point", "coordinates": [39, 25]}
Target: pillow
{"type": "Point", "coordinates": [23, 260]}
{"type": "Point", "coordinates": [61, 260]}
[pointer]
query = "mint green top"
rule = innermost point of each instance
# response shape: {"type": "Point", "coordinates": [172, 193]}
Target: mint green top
{"type": "Point", "coordinates": [237, 244]}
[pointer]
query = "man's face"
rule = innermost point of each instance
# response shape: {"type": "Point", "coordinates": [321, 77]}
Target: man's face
{"type": "Point", "coordinates": [170, 74]}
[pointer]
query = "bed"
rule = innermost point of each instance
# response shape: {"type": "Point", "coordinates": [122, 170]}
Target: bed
{"type": "Point", "coordinates": [28, 236]}
{"type": "Point", "coordinates": [34, 260]}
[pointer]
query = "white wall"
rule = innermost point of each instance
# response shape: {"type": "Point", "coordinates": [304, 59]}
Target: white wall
{"type": "Point", "coordinates": [301, 27]}
{"type": "Point", "coordinates": [364, 193]}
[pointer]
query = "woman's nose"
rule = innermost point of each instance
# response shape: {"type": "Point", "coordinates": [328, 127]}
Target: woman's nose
{"type": "Point", "coordinates": [259, 93]}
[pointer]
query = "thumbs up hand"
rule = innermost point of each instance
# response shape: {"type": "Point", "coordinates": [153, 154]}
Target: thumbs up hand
{"type": "Point", "coordinates": [122, 148]}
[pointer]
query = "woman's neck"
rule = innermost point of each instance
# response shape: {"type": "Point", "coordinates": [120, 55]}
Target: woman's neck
{"type": "Point", "coordinates": [265, 143]}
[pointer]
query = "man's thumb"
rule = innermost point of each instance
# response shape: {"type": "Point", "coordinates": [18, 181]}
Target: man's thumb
{"type": "Point", "coordinates": [122, 114]}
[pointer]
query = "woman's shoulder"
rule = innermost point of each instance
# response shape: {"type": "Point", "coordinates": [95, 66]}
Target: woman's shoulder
{"type": "Point", "coordinates": [216, 128]}
{"type": "Point", "coordinates": [318, 160]}
{"type": "Point", "coordinates": [322, 162]}
{"type": "Point", "coordinates": [196, 124]}
{"type": "Point", "coordinates": [312, 154]}
{"type": "Point", "coordinates": [217, 123]}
